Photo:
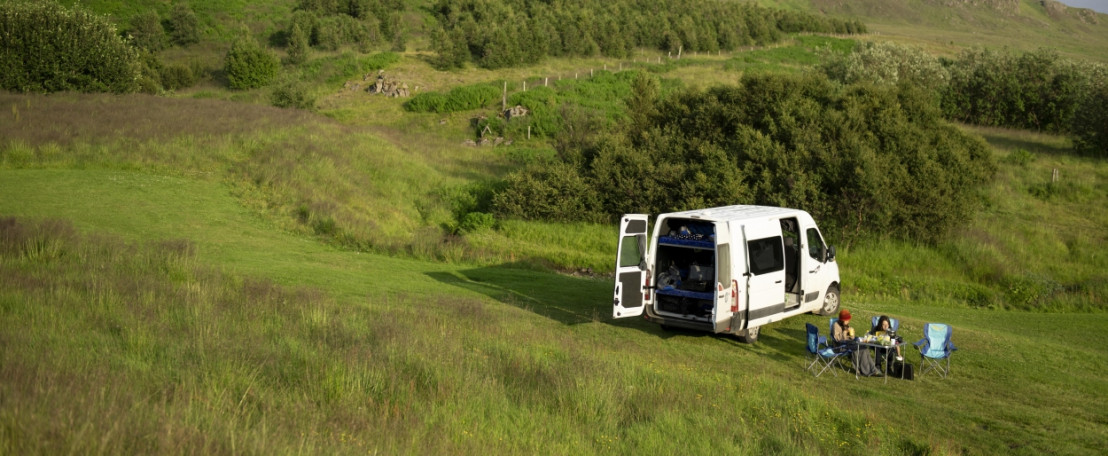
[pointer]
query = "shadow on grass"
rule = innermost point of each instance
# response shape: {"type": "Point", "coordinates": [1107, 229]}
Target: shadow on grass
{"type": "Point", "coordinates": [566, 299]}
{"type": "Point", "coordinates": [574, 300]}
{"type": "Point", "coordinates": [1012, 140]}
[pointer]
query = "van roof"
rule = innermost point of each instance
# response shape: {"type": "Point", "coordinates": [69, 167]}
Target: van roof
{"type": "Point", "coordinates": [739, 212]}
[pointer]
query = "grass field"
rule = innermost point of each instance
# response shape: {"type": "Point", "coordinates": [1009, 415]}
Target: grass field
{"type": "Point", "coordinates": [203, 274]}
{"type": "Point", "coordinates": [187, 324]}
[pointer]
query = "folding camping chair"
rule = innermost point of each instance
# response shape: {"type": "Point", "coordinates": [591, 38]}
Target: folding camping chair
{"type": "Point", "coordinates": [822, 356]}
{"type": "Point", "coordinates": [894, 324]}
{"type": "Point", "coordinates": [842, 350]}
{"type": "Point", "coordinates": [935, 348]}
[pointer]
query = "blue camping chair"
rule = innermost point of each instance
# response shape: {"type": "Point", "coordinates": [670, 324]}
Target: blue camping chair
{"type": "Point", "coordinates": [843, 350]}
{"type": "Point", "coordinates": [894, 324]}
{"type": "Point", "coordinates": [935, 348]}
{"type": "Point", "coordinates": [822, 355]}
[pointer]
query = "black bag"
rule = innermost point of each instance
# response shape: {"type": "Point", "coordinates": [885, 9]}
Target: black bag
{"type": "Point", "coordinates": [903, 370]}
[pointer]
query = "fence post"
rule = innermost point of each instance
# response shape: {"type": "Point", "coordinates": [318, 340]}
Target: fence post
{"type": "Point", "coordinates": [524, 85]}
{"type": "Point", "coordinates": [504, 98]}
{"type": "Point", "coordinates": [1054, 175]}
{"type": "Point", "coordinates": [546, 82]}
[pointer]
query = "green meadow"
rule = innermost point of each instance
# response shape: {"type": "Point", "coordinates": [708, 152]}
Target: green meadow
{"type": "Point", "coordinates": [199, 273]}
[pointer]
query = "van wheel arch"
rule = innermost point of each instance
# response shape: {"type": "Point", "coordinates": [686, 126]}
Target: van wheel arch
{"type": "Point", "coordinates": [831, 301]}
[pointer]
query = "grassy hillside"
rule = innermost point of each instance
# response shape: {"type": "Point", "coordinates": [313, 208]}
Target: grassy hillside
{"type": "Point", "coordinates": [219, 334]}
{"type": "Point", "coordinates": [946, 26]}
{"type": "Point", "coordinates": [201, 273]}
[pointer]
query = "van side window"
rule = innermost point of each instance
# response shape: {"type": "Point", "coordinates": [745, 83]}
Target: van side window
{"type": "Point", "coordinates": [766, 255]}
{"type": "Point", "coordinates": [815, 245]}
{"type": "Point", "coordinates": [632, 251]}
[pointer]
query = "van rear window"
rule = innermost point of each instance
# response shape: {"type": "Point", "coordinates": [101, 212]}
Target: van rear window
{"type": "Point", "coordinates": [766, 255]}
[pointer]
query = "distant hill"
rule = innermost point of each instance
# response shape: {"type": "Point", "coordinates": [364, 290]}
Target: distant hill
{"type": "Point", "coordinates": [945, 26]}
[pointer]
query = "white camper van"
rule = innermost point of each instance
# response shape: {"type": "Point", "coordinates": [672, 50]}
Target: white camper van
{"type": "Point", "coordinates": [725, 269]}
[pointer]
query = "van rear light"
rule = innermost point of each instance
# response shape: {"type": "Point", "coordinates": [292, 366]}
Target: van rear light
{"type": "Point", "coordinates": [734, 296]}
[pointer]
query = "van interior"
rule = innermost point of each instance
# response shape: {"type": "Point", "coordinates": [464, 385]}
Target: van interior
{"type": "Point", "coordinates": [686, 262]}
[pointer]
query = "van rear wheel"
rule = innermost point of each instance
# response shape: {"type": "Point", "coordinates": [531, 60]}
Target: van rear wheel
{"type": "Point", "coordinates": [830, 301]}
{"type": "Point", "coordinates": [749, 335]}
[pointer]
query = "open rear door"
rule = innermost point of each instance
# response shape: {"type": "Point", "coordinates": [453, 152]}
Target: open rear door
{"type": "Point", "coordinates": [765, 254]}
{"type": "Point", "coordinates": [631, 267]}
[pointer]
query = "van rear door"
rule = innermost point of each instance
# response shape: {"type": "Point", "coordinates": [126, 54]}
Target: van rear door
{"type": "Point", "coordinates": [631, 294]}
{"type": "Point", "coordinates": [765, 276]}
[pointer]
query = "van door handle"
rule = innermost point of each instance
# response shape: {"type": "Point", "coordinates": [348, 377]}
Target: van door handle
{"type": "Point", "coordinates": [814, 270]}
{"type": "Point", "coordinates": [779, 281]}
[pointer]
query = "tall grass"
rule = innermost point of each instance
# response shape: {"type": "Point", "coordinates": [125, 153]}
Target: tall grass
{"type": "Point", "coordinates": [1034, 246]}
{"type": "Point", "coordinates": [115, 346]}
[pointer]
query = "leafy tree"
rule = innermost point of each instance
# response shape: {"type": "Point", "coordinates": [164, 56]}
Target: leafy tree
{"type": "Point", "coordinates": [147, 31]}
{"type": "Point", "coordinates": [248, 66]}
{"type": "Point", "coordinates": [298, 45]}
{"type": "Point", "coordinates": [1090, 121]}
{"type": "Point", "coordinates": [184, 26]}
{"type": "Point", "coordinates": [868, 159]}
{"type": "Point", "coordinates": [45, 47]}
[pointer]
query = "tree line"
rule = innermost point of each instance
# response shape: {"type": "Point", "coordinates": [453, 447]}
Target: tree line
{"type": "Point", "coordinates": [497, 34]}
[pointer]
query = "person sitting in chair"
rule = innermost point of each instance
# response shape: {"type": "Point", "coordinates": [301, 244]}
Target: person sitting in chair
{"type": "Point", "coordinates": [884, 328]}
{"type": "Point", "coordinates": [843, 335]}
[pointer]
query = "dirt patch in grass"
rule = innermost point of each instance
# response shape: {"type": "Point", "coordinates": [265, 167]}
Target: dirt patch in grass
{"type": "Point", "coordinates": [69, 118]}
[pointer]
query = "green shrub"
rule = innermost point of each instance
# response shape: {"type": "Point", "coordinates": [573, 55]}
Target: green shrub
{"type": "Point", "coordinates": [463, 98]}
{"type": "Point", "coordinates": [249, 66]}
{"type": "Point", "coordinates": [866, 159]}
{"type": "Point", "coordinates": [147, 31]}
{"type": "Point", "coordinates": [45, 47]}
{"type": "Point", "coordinates": [184, 26]}
{"type": "Point", "coordinates": [1035, 90]}
{"type": "Point", "coordinates": [292, 94]}
{"type": "Point", "coordinates": [475, 222]}
{"type": "Point", "coordinates": [1090, 120]}
{"type": "Point", "coordinates": [550, 191]}
{"type": "Point", "coordinates": [298, 47]}
{"type": "Point", "coordinates": [178, 76]}
{"type": "Point", "coordinates": [887, 63]}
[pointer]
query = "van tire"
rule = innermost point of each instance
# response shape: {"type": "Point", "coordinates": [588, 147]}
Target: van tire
{"type": "Point", "coordinates": [830, 301]}
{"type": "Point", "coordinates": [750, 336]}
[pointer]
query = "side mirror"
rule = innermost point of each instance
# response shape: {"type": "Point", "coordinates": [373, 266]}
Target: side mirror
{"type": "Point", "coordinates": [830, 253]}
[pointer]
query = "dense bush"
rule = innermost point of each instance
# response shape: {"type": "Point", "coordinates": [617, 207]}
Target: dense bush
{"type": "Point", "coordinates": [248, 66]}
{"type": "Point", "coordinates": [178, 76]}
{"type": "Point", "coordinates": [45, 47]}
{"type": "Point", "coordinates": [462, 98]}
{"type": "Point", "coordinates": [147, 31]}
{"type": "Point", "coordinates": [332, 24]}
{"type": "Point", "coordinates": [292, 94]}
{"type": "Point", "coordinates": [298, 47]}
{"type": "Point", "coordinates": [1090, 121]}
{"type": "Point", "coordinates": [184, 26]}
{"type": "Point", "coordinates": [866, 159]}
{"type": "Point", "coordinates": [887, 63]}
{"type": "Point", "coordinates": [1035, 90]}
{"type": "Point", "coordinates": [495, 34]}
{"type": "Point", "coordinates": [549, 191]}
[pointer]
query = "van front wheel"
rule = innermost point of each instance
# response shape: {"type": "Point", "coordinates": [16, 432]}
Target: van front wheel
{"type": "Point", "coordinates": [830, 301]}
